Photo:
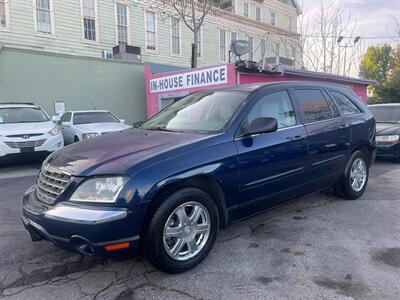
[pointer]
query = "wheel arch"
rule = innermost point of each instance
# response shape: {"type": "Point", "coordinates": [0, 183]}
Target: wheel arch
{"type": "Point", "coordinates": [365, 148]}
{"type": "Point", "coordinates": [206, 183]}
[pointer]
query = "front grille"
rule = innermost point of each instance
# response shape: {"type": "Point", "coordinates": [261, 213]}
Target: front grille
{"type": "Point", "coordinates": [50, 184]}
{"type": "Point", "coordinates": [26, 144]}
{"type": "Point", "coordinates": [24, 135]}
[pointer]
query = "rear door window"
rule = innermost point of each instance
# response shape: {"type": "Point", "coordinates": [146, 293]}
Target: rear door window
{"type": "Point", "coordinates": [314, 105]}
{"type": "Point", "coordinates": [347, 107]}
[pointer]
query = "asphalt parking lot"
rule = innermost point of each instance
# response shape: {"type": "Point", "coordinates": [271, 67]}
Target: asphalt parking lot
{"type": "Point", "coordinates": [319, 247]}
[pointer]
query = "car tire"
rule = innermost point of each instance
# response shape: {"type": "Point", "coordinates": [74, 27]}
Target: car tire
{"type": "Point", "coordinates": [76, 139]}
{"type": "Point", "coordinates": [172, 243]}
{"type": "Point", "coordinates": [354, 181]}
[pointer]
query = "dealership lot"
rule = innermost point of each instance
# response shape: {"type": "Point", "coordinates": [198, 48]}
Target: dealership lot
{"type": "Point", "coordinates": [318, 247]}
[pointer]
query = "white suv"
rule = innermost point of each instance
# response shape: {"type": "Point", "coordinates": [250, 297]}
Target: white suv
{"type": "Point", "coordinates": [25, 128]}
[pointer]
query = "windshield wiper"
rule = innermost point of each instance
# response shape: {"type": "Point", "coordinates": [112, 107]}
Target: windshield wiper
{"type": "Point", "coordinates": [159, 128]}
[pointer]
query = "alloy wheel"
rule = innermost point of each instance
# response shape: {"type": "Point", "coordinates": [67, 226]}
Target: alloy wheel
{"type": "Point", "coordinates": [186, 231]}
{"type": "Point", "coordinates": [358, 174]}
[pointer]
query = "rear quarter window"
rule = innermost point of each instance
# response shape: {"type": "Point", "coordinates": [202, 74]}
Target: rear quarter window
{"type": "Point", "coordinates": [346, 106]}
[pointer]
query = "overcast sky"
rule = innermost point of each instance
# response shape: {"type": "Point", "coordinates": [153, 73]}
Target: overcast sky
{"type": "Point", "coordinates": [373, 17]}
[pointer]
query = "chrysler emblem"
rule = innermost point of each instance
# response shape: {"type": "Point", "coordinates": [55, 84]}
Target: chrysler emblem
{"type": "Point", "coordinates": [26, 136]}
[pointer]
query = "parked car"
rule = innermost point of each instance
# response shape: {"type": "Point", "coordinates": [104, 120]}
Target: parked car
{"type": "Point", "coordinates": [213, 158]}
{"type": "Point", "coordinates": [387, 117]}
{"type": "Point", "coordinates": [80, 125]}
{"type": "Point", "coordinates": [26, 129]}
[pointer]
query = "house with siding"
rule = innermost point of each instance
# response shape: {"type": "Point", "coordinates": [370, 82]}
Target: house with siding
{"type": "Point", "coordinates": [55, 50]}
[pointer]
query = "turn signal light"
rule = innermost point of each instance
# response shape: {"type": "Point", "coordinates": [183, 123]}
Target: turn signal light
{"type": "Point", "coordinates": [117, 246]}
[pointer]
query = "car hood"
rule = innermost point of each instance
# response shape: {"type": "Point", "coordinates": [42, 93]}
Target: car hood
{"type": "Point", "coordinates": [101, 127]}
{"type": "Point", "coordinates": [117, 152]}
{"type": "Point", "coordinates": [387, 128]}
{"type": "Point", "coordinates": [26, 128]}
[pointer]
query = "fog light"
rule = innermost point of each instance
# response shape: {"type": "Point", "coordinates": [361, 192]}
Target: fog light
{"type": "Point", "coordinates": [117, 246]}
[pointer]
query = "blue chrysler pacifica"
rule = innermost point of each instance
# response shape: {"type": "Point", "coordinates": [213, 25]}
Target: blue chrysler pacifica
{"type": "Point", "coordinates": [213, 158]}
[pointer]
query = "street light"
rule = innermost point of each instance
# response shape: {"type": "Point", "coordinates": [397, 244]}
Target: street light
{"type": "Point", "coordinates": [348, 45]}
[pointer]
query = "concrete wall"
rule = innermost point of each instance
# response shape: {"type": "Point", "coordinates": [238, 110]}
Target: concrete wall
{"type": "Point", "coordinates": [82, 83]}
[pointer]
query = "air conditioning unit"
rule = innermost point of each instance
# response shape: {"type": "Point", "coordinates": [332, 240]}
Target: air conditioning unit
{"type": "Point", "coordinates": [107, 54]}
{"type": "Point", "coordinates": [127, 52]}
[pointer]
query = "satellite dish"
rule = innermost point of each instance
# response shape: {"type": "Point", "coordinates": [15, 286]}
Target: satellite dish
{"type": "Point", "coordinates": [241, 47]}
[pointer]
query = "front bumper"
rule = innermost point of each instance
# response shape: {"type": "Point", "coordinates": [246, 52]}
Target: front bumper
{"type": "Point", "coordinates": [388, 150]}
{"type": "Point", "coordinates": [90, 230]}
{"type": "Point", "coordinates": [52, 143]}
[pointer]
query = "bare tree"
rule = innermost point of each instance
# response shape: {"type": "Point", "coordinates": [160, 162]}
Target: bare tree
{"type": "Point", "coordinates": [396, 23]}
{"type": "Point", "coordinates": [193, 14]}
{"type": "Point", "coordinates": [319, 41]}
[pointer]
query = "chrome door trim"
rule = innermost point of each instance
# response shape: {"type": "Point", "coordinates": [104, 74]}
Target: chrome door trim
{"type": "Point", "coordinates": [327, 160]}
{"type": "Point", "coordinates": [259, 181]}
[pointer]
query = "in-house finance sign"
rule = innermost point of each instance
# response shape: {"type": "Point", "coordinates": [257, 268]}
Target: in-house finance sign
{"type": "Point", "coordinates": [198, 78]}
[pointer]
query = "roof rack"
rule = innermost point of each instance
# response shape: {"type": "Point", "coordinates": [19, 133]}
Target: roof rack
{"type": "Point", "coordinates": [18, 103]}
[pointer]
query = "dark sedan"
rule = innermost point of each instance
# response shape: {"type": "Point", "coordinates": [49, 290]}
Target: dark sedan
{"type": "Point", "coordinates": [387, 117]}
{"type": "Point", "coordinates": [213, 158]}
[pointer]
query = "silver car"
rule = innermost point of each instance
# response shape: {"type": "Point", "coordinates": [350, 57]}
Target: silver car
{"type": "Point", "coordinates": [80, 125]}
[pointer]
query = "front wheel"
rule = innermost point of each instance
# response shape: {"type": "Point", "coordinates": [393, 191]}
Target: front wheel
{"type": "Point", "coordinates": [355, 178]}
{"type": "Point", "coordinates": [182, 231]}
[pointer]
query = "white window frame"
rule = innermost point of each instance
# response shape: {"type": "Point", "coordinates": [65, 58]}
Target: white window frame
{"type": "Point", "coordinates": [52, 21]}
{"type": "Point", "coordinates": [260, 16]}
{"type": "Point", "coordinates": [289, 23]}
{"type": "Point", "coordinates": [7, 16]}
{"type": "Point", "coordinates": [272, 12]}
{"type": "Point", "coordinates": [246, 5]}
{"type": "Point", "coordinates": [95, 22]}
{"type": "Point", "coordinates": [220, 45]}
{"type": "Point", "coordinates": [200, 41]}
{"type": "Point", "coordinates": [180, 36]}
{"type": "Point", "coordinates": [155, 30]}
{"type": "Point", "coordinates": [128, 24]}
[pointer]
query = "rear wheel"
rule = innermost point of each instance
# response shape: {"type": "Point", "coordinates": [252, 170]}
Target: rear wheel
{"type": "Point", "coordinates": [76, 139]}
{"type": "Point", "coordinates": [182, 231]}
{"type": "Point", "coordinates": [355, 178]}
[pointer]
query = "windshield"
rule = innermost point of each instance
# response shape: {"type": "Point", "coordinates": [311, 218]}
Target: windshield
{"type": "Point", "coordinates": [94, 117]}
{"type": "Point", "coordinates": [386, 114]}
{"type": "Point", "coordinates": [200, 112]}
{"type": "Point", "coordinates": [22, 115]}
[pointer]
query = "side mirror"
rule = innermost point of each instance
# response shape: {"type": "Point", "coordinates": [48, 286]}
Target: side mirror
{"type": "Point", "coordinates": [66, 124]}
{"type": "Point", "coordinates": [262, 125]}
{"type": "Point", "coordinates": [55, 119]}
{"type": "Point", "coordinates": [122, 121]}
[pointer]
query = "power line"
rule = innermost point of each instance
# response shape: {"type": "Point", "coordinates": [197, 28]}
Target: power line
{"type": "Point", "coordinates": [335, 37]}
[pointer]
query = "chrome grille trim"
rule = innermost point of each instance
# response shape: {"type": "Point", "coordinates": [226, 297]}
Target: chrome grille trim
{"type": "Point", "coordinates": [51, 183]}
{"type": "Point", "coordinates": [26, 144]}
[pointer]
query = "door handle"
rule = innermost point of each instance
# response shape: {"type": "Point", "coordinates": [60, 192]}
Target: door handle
{"type": "Point", "coordinates": [343, 126]}
{"type": "Point", "coordinates": [297, 138]}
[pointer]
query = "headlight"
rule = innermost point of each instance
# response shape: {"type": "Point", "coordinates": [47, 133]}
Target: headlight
{"type": "Point", "coordinates": [89, 135]}
{"type": "Point", "coordinates": [100, 189]}
{"type": "Point", "coordinates": [56, 130]}
{"type": "Point", "coordinates": [388, 138]}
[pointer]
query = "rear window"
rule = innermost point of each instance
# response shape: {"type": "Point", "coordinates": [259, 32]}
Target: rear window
{"type": "Point", "coordinates": [346, 106]}
{"type": "Point", "coordinates": [314, 105]}
{"type": "Point", "coordinates": [22, 115]}
{"type": "Point", "coordinates": [94, 117]}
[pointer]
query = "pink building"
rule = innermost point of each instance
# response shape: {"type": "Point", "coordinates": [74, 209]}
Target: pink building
{"type": "Point", "coordinates": [165, 88]}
